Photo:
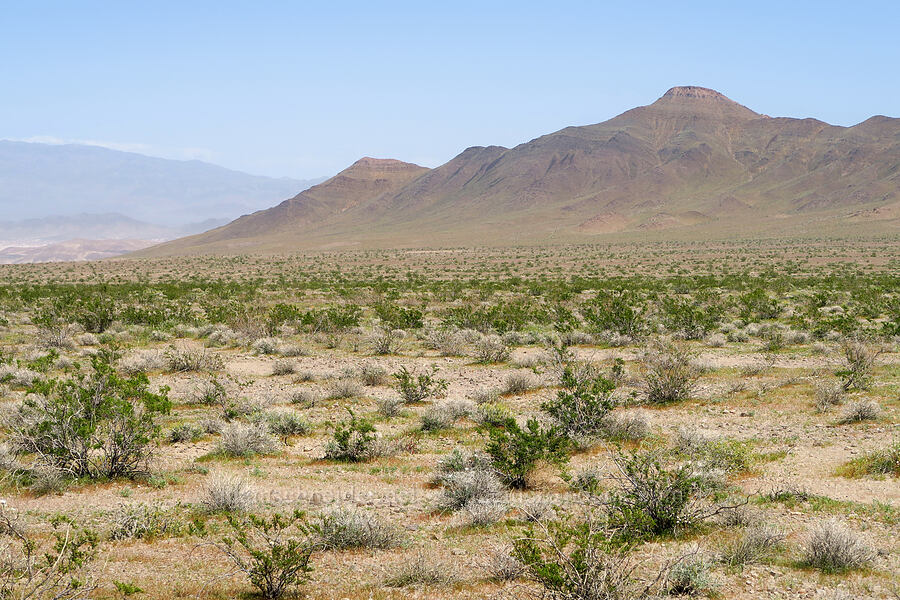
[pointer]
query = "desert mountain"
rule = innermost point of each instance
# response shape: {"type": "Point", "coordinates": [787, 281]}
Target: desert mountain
{"type": "Point", "coordinates": [693, 163]}
{"type": "Point", "coordinates": [38, 180]}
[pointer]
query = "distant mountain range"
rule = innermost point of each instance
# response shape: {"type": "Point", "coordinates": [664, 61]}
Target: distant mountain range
{"type": "Point", "coordinates": [693, 164]}
{"type": "Point", "coordinates": [40, 180]}
{"type": "Point", "coordinates": [112, 226]}
{"type": "Point", "coordinates": [69, 250]}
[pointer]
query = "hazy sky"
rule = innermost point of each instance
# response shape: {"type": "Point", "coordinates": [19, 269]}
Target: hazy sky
{"type": "Point", "coordinates": [304, 89]}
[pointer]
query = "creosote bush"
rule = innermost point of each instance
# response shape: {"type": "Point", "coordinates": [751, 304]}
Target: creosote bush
{"type": "Point", "coordinates": [93, 425]}
{"type": "Point", "coordinates": [60, 570]}
{"type": "Point", "coordinates": [351, 441]}
{"type": "Point", "coordinates": [416, 387]}
{"type": "Point", "coordinates": [273, 552]}
{"type": "Point", "coordinates": [656, 497]}
{"type": "Point", "coordinates": [861, 411]}
{"type": "Point", "coordinates": [581, 404]}
{"type": "Point", "coordinates": [516, 451]}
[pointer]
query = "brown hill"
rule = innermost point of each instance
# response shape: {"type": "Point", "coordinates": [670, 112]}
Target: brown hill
{"type": "Point", "coordinates": [692, 164]}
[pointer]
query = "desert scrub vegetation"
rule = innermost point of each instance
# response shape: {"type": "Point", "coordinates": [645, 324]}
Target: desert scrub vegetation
{"type": "Point", "coordinates": [345, 529]}
{"type": "Point", "coordinates": [352, 441]}
{"type": "Point", "coordinates": [668, 373]}
{"type": "Point", "coordinates": [516, 451]}
{"type": "Point", "coordinates": [831, 547]}
{"type": "Point", "coordinates": [582, 404]}
{"type": "Point", "coordinates": [416, 387]}
{"type": "Point", "coordinates": [768, 327]}
{"type": "Point", "coordinates": [657, 496]}
{"type": "Point", "coordinates": [63, 568]}
{"type": "Point", "coordinates": [874, 464]}
{"type": "Point", "coordinates": [227, 494]}
{"type": "Point", "coordinates": [273, 552]}
{"type": "Point", "coordinates": [239, 439]}
{"type": "Point", "coordinates": [96, 424]}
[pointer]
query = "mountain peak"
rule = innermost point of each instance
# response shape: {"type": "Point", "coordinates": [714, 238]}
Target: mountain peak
{"type": "Point", "coordinates": [382, 164]}
{"type": "Point", "coordinates": [693, 98]}
{"type": "Point", "coordinates": [697, 93]}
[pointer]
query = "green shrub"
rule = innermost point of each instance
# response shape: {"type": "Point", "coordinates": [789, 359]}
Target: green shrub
{"type": "Point", "coordinates": [688, 319]}
{"type": "Point", "coordinates": [655, 498]}
{"type": "Point", "coordinates": [397, 317]}
{"type": "Point", "coordinates": [879, 462]}
{"type": "Point", "coordinates": [418, 387]}
{"type": "Point", "coordinates": [581, 405]}
{"type": "Point", "coordinates": [515, 451]}
{"type": "Point", "coordinates": [352, 440]}
{"type": "Point", "coordinates": [273, 552]}
{"type": "Point", "coordinates": [577, 560]}
{"type": "Point", "coordinates": [615, 311]}
{"type": "Point", "coordinates": [60, 571]}
{"type": "Point", "coordinates": [96, 425]}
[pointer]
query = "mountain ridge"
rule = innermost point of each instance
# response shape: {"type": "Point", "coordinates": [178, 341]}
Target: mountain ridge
{"type": "Point", "coordinates": [692, 162]}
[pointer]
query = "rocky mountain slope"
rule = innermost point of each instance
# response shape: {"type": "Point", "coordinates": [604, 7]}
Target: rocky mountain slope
{"type": "Point", "coordinates": [692, 164]}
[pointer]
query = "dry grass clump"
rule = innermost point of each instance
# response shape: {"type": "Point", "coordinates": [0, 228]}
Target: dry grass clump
{"type": "Point", "coordinates": [344, 529]}
{"type": "Point", "coordinates": [284, 367]}
{"type": "Point", "coordinates": [491, 349]}
{"type": "Point", "coordinates": [502, 566]}
{"type": "Point", "coordinates": [485, 396]}
{"type": "Point", "coordinates": [227, 493]}
{"type": "Point", "coordinates": [390, 406]}
{"type": "Point", "coordinates": [627, 426]}
{"type": "Point", "coordinates": [144, 521]}
{"type": "Point", "coordinates": [483, 512]}
{"type": "Point", "coordinates": [185, 360]}
{"type": "Point", "coordinates": [861, 411]}
{"type": "Point", "coordinates": [827, 395]}
{"type": "Point", "coordinates": [463, 487]}
{"type": "Point", "coordinates": [18, 376]}
{"type": "Point", "coordinates": [143, 361]}
{"type": "Point", "coordinates": [285, 423]}
{"type": "Point", "coordinates": [246, 439]}
{"type": "Point", "coordinates": [831, 547]}
{"type": "Point", "coordinates": [753, 546]}
{"type": "Point", "coordinates": [306, 397]}
{"type": "Point", "coordinates": [518, 383]}
{"type": "Point", "coordinates": [266, 345]}
{"type": "Point", "coordinates": [373, 375]}
{"type": "Point", "coordinates": [292, 350]}
{"type": "Point", "coordinates": [668, 373]}
{"type": "Point", "coordinates": [447, 342]}
{"type": "Point", "coordinates": [344, 388]}
{"type": "Point", "coordinates": [859, 360]}
{"type": "Point", "coordinates": [423, 570]}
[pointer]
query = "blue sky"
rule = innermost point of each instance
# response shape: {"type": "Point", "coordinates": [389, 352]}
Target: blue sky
{"type": "Point", "coordinates": [304, 89]}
